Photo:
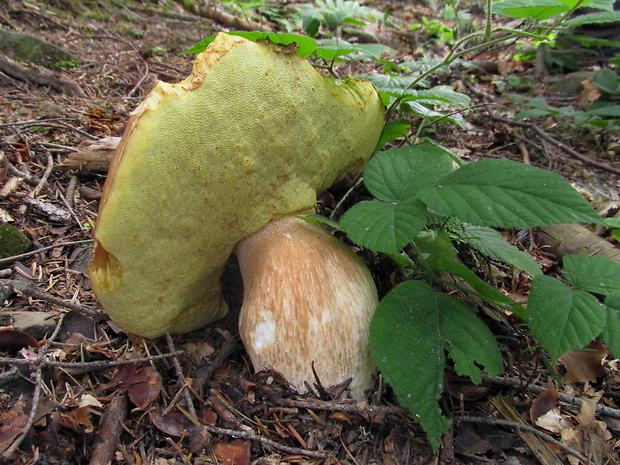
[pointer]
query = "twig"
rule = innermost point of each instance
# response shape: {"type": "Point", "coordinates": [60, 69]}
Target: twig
{"type": "Point", "coordinates": [42, 249]}
{"type": "Point", "coordinates": [36, 396]}
{"type": "Point", "coordinates": [515, 383]}
{"type": "Point", "coordinates": [524, 427]}
{"type": "Point", "coordinates": [204, 374]}
{"type": "Point", "coordinates": [96, 365]}
{"type": "Point", "coordinates": [336, 406]}
{"type": "Point", "coordinates": [109, 430]}
{"type": "Point", "coordinates": [265, 441]}
{"type": "Point", "coordinates": [48, 170]}
{"type": "Point", "coordinates": [30, 291]}
{"type": "Point", "coordinates": [181, 381]}
{"type": "Point", "coordinates": [562, 146]}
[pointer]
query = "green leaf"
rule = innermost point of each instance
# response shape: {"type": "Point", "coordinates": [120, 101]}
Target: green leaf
{"type": "Point", "coordinates": [305, 45]}
{"type": "Point", "coordinates": [611, 331]}
{"type": "Point", "coordinates": [594, 273]}
{"type": "Point", "coordinates": [437, 251]}
{"type": "Point", "coordinates": [438, 95]}
{"type": "Point", "coordinates": [534, 9]}
{"type": "Point", "coordinates": [503, 193]}
{"type": "Point", "coordinates": [392, 131]}
{"type": "Point", "coordinates": [387, 81]}
{"type": "Point", "coordinates": [412, 327]}
{"type": "Point", "coordinates": [599, 17]}
{"type": "Point", "coordinates": [382, 226]}
{"type": "Point", "coordinates": [561, 318]}
{"type": "Point", "coordinates": [329, 49]}
{"type": "Point", "coordinates": [491, 243]}
{"type": "Point", "coordinates": [402, 173]}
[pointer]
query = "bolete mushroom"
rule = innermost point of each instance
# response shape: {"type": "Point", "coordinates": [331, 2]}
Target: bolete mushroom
{"type": "Point", "coordinates": [251, 135]}
{"type": "Point", "coordinates": [307, 302]}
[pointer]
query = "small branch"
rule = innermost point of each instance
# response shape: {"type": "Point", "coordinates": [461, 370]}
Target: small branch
{"type": "Point", "coordinates": [569, 150]}
{"type": "Point", "coordinates": [42, 249]}
{"type": "Point", "coordinates": [181, 381]}
{"type": "Point", "coordinates": [204, 374]}
{"type": "Point", "coordinates": [30, 291]}
{"type": "Point", "coordinates": [524, 427]}
{"type": "Point", "coordinates": [97, 365]}
{"type": "Point", "coordinates": [265, 441]}
{"type": "Point", "coordinates": [48, 170]}
{"type": "Point", "coordinates": [532, 388]}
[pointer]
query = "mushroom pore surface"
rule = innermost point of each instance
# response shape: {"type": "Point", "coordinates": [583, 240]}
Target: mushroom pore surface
{"type": "Point", "coordinates": [308, 300]}
{"type": "Point", "coordinates": [252, 134]}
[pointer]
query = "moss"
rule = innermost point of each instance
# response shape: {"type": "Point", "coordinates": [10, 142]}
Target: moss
{"type": "Point", "coordinates": [27, 48]}
{"type": "Point", "coordinates": [12, 241]}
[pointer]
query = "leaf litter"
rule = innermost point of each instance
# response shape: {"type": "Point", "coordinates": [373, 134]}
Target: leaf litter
{"type": "Point", "coordinates": [79, 390]}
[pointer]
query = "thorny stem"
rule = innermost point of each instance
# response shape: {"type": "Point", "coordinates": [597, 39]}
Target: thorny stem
{"type": "Point", "coordinates": [488, 25]}
{"type": "Point", "coordinates": [453, 54]}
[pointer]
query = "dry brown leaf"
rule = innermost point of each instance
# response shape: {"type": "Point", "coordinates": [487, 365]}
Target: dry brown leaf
{"type": "Point", "coordinates": [235, 452]}
{"type": "Point", "coordinates": [585, 365]}
{"type": "Point", "coordinates": [588, 95]}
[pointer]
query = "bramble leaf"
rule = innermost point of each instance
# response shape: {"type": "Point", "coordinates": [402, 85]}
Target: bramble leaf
{"type": "Point", "coordinates": [411, 330]}
{"type": "Point", "coordinates": [596, 274]}
{"type": "Point", "coordinates": [561, 318]}
{"type": "Point", "coordinates": [611, 331]}
{"type": "Point", "coordinates": [491, 243]}
{"type": "Point", "coordinates": [402, 173]}
{"type": "Point", "coordinates": [504, 193]}
{"type": "Point", "coordinates": [384, 226]}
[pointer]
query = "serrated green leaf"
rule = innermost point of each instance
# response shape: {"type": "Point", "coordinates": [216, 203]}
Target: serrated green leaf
{"type": "Point", "coordinates": [611, 331]}
{"type": "Point", "coordinates": [534, 9]}
{"type": "Point", "coordinates": [504, 193]}
{"type": "Point", "coordinates": [437, 251]}
{"type": "Point", "coordinates": [438, 95]}
{"type": "Point", "coordinates": [386, 81]}
{"type": "Point", "coordinates": [599, 17]}
{"type": "Point", "coordinates": [382, 226]}
{"type": "Point", "coordinates": [533, 113]}
{"type": "Point", "coordinates": [402, 173]}
{"type": "Point", "coordinates": [491, 243]}
{"type": "Point", "coordinates": [561, 318]}
{"type": "Point", "coordinates": [392, 131]}
{"type": "Point", "coordinates": [594, 273]}
{"type": "Point", "coordinates": [331, 48]}
{"type": "Point", "coordinates": [409, 332]}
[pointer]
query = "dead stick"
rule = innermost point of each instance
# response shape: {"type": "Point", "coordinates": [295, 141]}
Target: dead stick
{"type": "Point", "coordinates": [569, 150]}
{"type": "Point", "coordinates": [524, 427]}
{"type": "Point", "coordinates": [109, 431]}
{"type": "Point", "coordinates": [42, 249]}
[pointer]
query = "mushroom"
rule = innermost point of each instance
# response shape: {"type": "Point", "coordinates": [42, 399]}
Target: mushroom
{"type": "Point", "coordinates": [307, 304]}
{"type": "Point", "coordinates": [251, 135]}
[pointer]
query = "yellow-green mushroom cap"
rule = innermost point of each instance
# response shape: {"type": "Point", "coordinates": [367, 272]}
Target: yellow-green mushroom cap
{"type": "Point", "coordinates": [252, 134]}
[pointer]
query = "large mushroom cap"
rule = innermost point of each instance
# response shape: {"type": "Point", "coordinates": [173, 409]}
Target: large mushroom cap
{"type": "Point", "coordinates": [253, 133]}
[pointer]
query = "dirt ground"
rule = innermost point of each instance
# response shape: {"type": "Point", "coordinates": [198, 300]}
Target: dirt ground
{"type": "Point", "coordinates": [75, 388]}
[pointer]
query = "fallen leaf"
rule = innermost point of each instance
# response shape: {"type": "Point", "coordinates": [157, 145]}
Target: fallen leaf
{"type": "Point", "coordinates": [584, 365]}
{"type": "Point", "coordinates": [173, 423]}
{"type": "Point", "coordinates": [545, 413]}
{"type": "Point", "coordinates": [235, 452]}
{"type": "Point", "coordinates": [462, 387]}
{"type": "Point", "coordinates": [12, 340]}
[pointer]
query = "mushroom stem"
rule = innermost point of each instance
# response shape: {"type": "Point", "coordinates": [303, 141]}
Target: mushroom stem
{"type": "Point", "coordinates": [308, 300]}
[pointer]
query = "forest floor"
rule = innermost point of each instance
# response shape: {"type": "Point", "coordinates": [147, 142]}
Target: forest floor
{"type": "Point", "coordinates": [75, 388]}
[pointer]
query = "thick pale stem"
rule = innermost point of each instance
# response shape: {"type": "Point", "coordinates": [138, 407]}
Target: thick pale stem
{"type": "Point", "coordinates": [308, 299]}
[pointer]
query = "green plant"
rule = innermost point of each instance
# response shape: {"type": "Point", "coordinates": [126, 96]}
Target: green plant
{"type": "Point", "coordinates": [603, 114]}
{"type": "Point", "coordinates": [418, 196]}
{"type": "Point", "coordinates": [335, 13]}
